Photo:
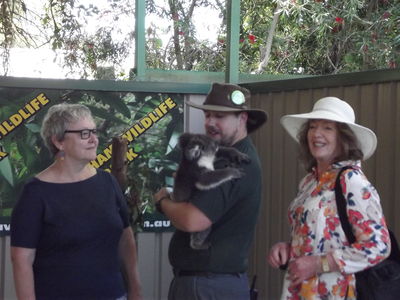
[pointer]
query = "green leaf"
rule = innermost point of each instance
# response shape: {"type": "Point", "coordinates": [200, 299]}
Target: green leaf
{"type": "Point", "coordinates": [114, 101]}
{"type": "Point", "coordinates": [147, 107]}
{"type": "Point", "coordinates": [6, 171]}
{"type": "Point", "coordinates": [27, 153]}
{"type": "Point", "coordinates": [138, 148]}
{"type": "Point", "coordinates": [173, 141]}
{"type": "Point", "coordinates": [35, 128]}
{"type": "Point", "coordinates": [396, 41]}
{"type": "Point", "coordinates": [103, 114]}
{"type": "Point", "coordinates": [6, 212]}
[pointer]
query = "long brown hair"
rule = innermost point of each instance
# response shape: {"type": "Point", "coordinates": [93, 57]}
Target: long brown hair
{"type": "Point", "coordinates": [346, 138]}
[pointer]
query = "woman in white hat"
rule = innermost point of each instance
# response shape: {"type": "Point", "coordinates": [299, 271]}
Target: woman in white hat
{"type": "Point", "coordinates": [320, 261]}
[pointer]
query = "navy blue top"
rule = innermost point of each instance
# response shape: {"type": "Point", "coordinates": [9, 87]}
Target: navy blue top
{"type": "Point", "coordinates": [75, 229]}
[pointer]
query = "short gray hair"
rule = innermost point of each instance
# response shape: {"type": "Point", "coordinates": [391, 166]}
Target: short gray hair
{"type": "Point", "coordinates": [56, 120]}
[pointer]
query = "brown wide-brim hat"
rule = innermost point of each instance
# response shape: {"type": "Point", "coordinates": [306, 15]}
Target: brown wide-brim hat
{"type": "Point", "coordinates": [232, 98]}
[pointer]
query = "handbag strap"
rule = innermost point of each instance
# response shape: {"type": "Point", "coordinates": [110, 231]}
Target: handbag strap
{"type": "Point", "coordinates": [341, 207]}
{"type": "Point", "coordinates": [395, 251]}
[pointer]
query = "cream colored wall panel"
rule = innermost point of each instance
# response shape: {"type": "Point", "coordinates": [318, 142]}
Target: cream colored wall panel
{"type": "Point", "coordinates": [154, 269]}
{"type": "Point", "coordinates": [9, 290]}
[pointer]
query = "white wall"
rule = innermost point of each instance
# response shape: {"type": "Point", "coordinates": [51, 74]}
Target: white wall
{"type": "Point", "coordinates": [193, 117]}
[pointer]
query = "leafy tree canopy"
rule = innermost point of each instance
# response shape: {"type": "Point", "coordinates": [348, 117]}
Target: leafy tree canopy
{"type": "Point", "coordinates": [86, 37]}
{"type": "Point", "coordinates": [276, 36]}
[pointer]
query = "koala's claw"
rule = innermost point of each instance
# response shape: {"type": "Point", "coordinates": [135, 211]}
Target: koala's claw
{"type": "Point", "coordinates": [243, 158]}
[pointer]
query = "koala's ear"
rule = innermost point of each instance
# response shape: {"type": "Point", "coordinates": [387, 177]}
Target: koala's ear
{"type": "Point", "coordinates": [184, 140]}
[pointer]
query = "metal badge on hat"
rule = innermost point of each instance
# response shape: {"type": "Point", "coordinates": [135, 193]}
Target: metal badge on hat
{"type": "Point", "coordinates": [237, 97]}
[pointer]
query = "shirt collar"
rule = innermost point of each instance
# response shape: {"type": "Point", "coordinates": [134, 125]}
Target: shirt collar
{"type": "Point", "coordinates": [338, 165]}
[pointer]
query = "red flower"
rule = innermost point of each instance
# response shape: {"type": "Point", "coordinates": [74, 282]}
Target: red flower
{"type": "Point", "coordinates": [386, 15]}
{"type": "Point", "coordinates": [374, 36]}
{"type": "Point", "coordinates": [366, 227]}
{"type": "Point", "coordinates": [252, 38]}
{"type": "Point", "coordinates": [354, 216]}
{"type": "Point", "coordinates": [339, 20]}
{"type": "Point", "coordinates": [392, 64]}
{"type": "Point", "coordinates": [366, 194]}
{"type": "Point", "coordinates": [221, 41]}
{"type": "Point", "coordinates": [332, 223]}
{"type": "Point", "coordinates": [294, 290]}
{"type": "Point", "coordinates": [343, 287]}
{"type": "Point", "coordinates": [385, 235]}
{"type": "Point", "coordinates": [378, 259]}
{"type": "Point", "coordinates": [181, 33]}
{"type": "Point", "coordinates": [304, 229]}
{"type": "Point", "coordinates": [358, 246]}
{"type": "Point", "coordinates": [304, 247]}
{"type": "Point", "coordinates": [327, 234]}
{"type": "Point", "coordinates": [322, 290]}
{"type": "Point", "coordinates": [241, 40]}
{"type": "Point", "coordinates": [369, 245]}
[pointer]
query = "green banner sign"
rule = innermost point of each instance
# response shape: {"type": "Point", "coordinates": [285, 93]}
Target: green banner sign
{"type": "Point", "coordinates": [150, 122]}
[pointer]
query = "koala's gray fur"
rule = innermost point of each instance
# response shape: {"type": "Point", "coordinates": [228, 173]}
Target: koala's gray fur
{"type": "Point", "coordinates": [196, 171]}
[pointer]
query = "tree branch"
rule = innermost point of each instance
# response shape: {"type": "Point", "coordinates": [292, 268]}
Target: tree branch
{"type": "Point", "coordinates": [177, 47]}
{"type": "Point", "coordinates": [266, 51]}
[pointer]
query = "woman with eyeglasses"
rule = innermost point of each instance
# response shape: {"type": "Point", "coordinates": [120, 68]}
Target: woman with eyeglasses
{"type": "Point", "coordinates": [70, 236]}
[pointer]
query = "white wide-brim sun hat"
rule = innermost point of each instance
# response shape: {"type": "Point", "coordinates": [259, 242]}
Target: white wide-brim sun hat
{"type": "Point", "coordinates": [333, 109]}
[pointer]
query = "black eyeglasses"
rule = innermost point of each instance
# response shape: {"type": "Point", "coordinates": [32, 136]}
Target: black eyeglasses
{"type": "Point", "coordinates": [85, 133]}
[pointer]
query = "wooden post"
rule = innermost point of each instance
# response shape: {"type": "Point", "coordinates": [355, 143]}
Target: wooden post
{"type": "Point", "coordinates": [119, 168]}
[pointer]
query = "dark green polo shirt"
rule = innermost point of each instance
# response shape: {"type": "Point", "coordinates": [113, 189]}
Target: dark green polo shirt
{"type": "Point", "coordinates": [233, 208]}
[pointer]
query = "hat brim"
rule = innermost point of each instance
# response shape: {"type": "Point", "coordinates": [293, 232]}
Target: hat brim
{"type": "Point", "coordinates": [256, 119]}
{"type": "Point", "coordinates": [366, 138]}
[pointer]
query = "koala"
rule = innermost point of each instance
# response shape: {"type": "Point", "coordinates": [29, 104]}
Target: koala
{"type": "Point", "coordinates": [196, 171]}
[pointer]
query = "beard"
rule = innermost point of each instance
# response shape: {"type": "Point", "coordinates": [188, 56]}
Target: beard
{"type": "Point", "coordinates": [223, 139]}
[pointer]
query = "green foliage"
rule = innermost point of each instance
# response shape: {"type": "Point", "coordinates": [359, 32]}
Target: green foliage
{"type": "Point", "coordinates": [183, 50]}
{"type": "Point", "coordinates": [65, 27]}
{"type": "Point", "coordinates": [6, 172]}
{"type": "Point", "coordinates": [321, 36]}
{"type": "Point", "coordinates": [311, 36]}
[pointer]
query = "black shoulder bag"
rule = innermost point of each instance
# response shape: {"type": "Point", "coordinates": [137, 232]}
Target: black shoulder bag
{"type": "Point", "coordinates": [382, 281]}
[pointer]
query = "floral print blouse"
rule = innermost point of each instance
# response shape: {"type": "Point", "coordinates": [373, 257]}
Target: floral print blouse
{"type": "Point", "coordinates": [316, 230]}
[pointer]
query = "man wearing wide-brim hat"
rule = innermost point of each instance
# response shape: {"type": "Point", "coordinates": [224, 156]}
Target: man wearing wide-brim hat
{"type": "Point", "coordinates": [231, 209]}
{"type": "Point", "coordinates": [232, 98]}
